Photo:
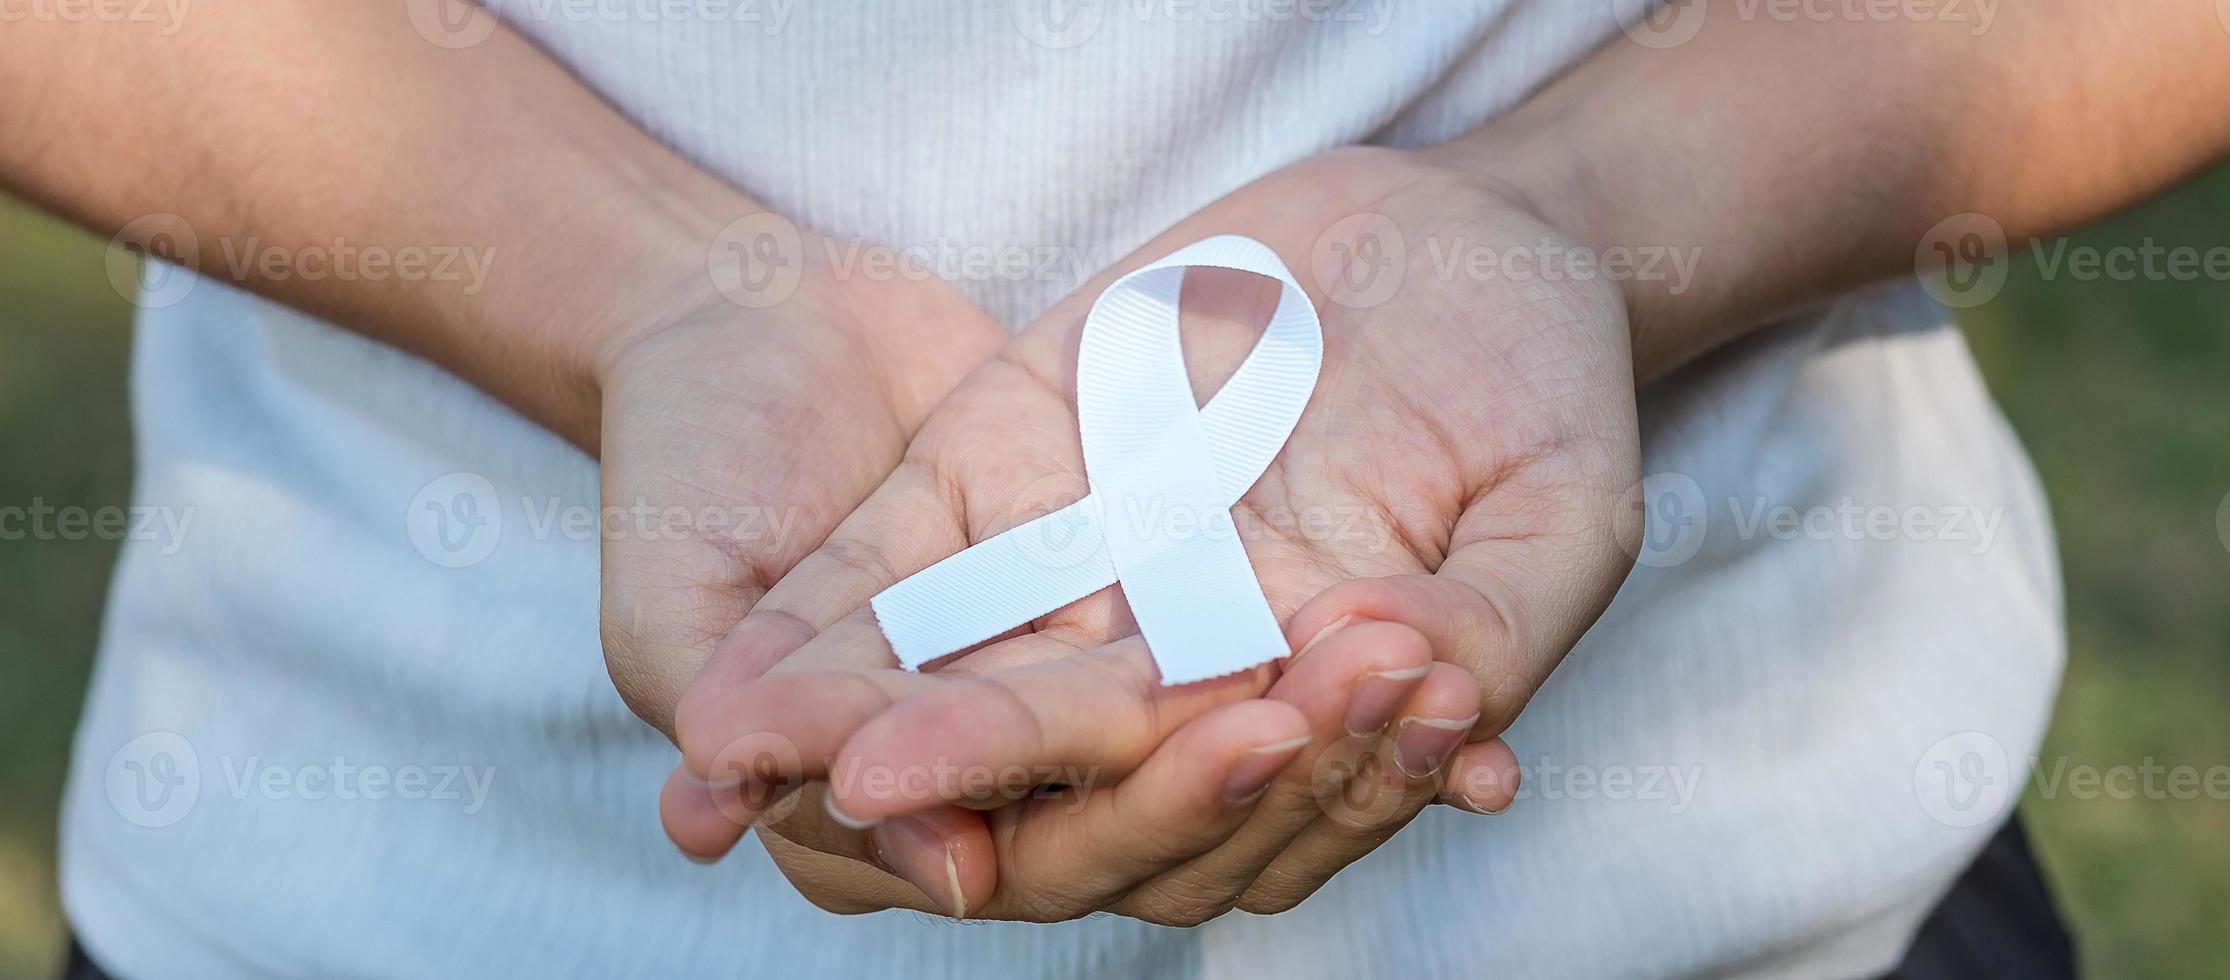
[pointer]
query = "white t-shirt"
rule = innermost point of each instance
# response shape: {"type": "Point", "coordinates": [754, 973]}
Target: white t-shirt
{"type": "Point", "coordinates": [355, 720]}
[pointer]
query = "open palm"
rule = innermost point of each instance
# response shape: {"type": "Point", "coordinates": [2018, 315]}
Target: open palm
{"type": "Point", "coordinates": [1450, 494]}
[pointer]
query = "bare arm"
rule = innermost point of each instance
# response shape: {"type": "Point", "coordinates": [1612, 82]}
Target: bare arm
{"type": "Point", "coordinates": [292, 125]}
{"type": "Point", "coordinates": [1808, 157]}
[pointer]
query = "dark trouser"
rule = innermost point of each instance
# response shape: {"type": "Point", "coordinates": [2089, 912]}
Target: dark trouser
{"type": "Point", "coordinates": [1997, 921]}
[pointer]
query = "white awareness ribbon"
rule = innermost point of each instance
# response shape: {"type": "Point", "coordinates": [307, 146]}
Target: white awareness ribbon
{"type": "Point", "coordinates": [1164, 473]}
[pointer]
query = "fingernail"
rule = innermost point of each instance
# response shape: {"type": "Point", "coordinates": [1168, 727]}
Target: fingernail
{"type": "Point", "coordinates": [709, 785]}
{"type": "Point", "coordinates": [912, 851]}
{"type": "Point", "coordinates": [1378, 696]}
{"type": "Point", "coordinates": [836, 813]}
{"type": "Point", "coordinates": [1484, 782]}
{"type": "Point", "coordinates": [1252, 775]}
{"type": "Point", "coordinates": [952, 881]}
{"type": "Point", "coordinates": [1423, 743]}
{"type": "Point", "coordinates": [1466, 801]}
{"type": "Point", "coordinates": [1328, 630]}
{"type": "Point", "coordinates": [700, 858]}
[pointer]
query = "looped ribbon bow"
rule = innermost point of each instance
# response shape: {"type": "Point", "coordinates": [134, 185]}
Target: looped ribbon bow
{"type": "Point", "coordinates": [1164, 473]}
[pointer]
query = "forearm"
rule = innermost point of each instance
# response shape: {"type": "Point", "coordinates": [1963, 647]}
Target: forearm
{"type": "Point", "coordinates": [1801, 158]}
{"type": "Point", "coordinates": [290, 128]}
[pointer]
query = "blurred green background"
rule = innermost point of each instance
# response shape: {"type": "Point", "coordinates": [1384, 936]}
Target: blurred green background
{"type": "Point", "coordinates": [2119, 389]}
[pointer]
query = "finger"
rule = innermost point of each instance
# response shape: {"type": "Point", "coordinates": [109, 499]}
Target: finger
{"type": "Point", "coordinates": [1094, 843]}
{"type": "Point", "coordinates": [841, 885]}
{"type": "Point", "coordinates": [1482, 777]}
{"type": "Point", "coordinates": [1436, 722]}
{"type": "Point", "coordinates": [945, 853]}
{"type": "Point", "coordinates": [1509, 639]}
{"type": "Point", "coordinates": [795, 676]}
{"type": "Point", "coordinates": [779, 732]}
{"type": "Point", "coordinates": [1352, 679]}
{"type": "Point", "coordinates": [885, 540]}
{"type": "Point", "coordinates": [1104, 711]}
{"type": "Point", "coordinates": [696, 814]}
{"type": "Point", "coordinates": [765, 679]}
{"type": "Point", "coordinates": [1368, 793]}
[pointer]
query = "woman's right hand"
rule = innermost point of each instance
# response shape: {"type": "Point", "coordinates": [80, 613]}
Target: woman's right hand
{"type": "Point", "coordinates": [754, 412]}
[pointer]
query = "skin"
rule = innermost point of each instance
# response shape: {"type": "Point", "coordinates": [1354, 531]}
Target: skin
{"type": "Point", "coordinates": [1465, 452]}
{"type": "Point", "coordinates": [1802, 158]}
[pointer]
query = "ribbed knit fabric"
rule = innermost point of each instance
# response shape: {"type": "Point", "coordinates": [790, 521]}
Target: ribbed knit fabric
{"type": "Point", "coordinates": [1728, 776]}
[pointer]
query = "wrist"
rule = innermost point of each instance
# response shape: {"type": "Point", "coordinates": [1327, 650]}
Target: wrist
{"type": "Point", "coordinates": [689, 258]}
{"type": "Point", "coordinates": [1643, 227]}
{"type": "Point", "coordinates": [1545, 173]}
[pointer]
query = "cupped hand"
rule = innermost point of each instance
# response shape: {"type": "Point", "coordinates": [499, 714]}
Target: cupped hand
{"type": "Point", "coordinates": [738, 429]}
{"type": "Point", "coordinates": [1438, 531]}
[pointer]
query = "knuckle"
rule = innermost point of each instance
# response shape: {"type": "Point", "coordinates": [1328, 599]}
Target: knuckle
{"type": "Point", "coordinates": [858, 558]}
{"type": "Point", "coordinates": [829, 887]}
{"type": "Point", "coordinates": [1503, 691]}
{"type": "Point", "coordinates": [731, 729]}
{"type": "Point", "coordinates": [1175, 907]}
{"type": "Point", "coordinates": [1276, 891]}
{"type": "Point", "coordinates": [1181, 898]}
{"type": "Point", "coordinates": [651, 692]}
{"type": "Point", "coordinates": [1042, 906]}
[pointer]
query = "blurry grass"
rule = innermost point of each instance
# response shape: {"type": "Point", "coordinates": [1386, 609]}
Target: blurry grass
{"type": "Point", "coordinates": [64, 437]}
{"type": "Point", "coordinates": [2122, 393]}
{"type": "Point", "coordinates": [2119, 390]}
